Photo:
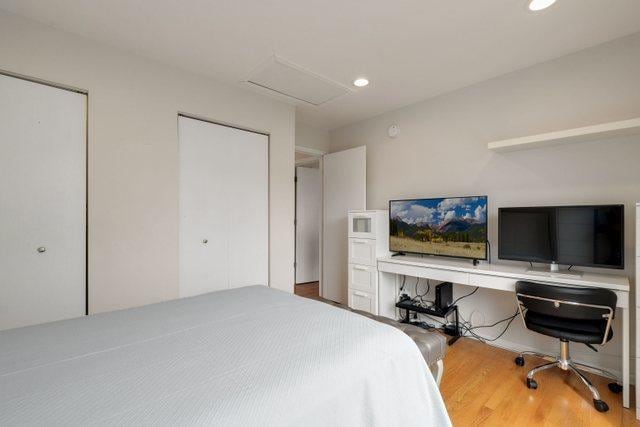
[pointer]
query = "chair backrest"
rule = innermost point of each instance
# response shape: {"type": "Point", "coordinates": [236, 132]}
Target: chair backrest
{"type": "Point", "coordinates": [567, 302]}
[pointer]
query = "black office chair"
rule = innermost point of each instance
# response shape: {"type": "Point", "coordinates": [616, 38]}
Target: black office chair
{"type": "Point", "coordinates": [581, 315]}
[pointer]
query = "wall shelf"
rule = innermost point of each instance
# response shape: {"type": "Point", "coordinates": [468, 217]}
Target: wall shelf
{"type": "Point", "coordinates": [583, 134]}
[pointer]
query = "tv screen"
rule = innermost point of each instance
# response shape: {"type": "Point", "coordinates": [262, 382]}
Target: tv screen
{"type": "Point", "coordinates": [573, 235]}
{"type": "Point", "coordinates": [452, 226]}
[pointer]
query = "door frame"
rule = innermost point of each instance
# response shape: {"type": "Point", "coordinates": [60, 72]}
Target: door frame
{"type": "Point", "coordinates": [314, 155]}
{"type": "Point", "coordinates": [84, 92]}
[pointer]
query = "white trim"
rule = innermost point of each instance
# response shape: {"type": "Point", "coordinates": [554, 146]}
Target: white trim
{"type": "Point", "coordinates": [43, 82]}
{"type": "Point", "coordinates": [307, 161]}
{"type": "Point", "coordinates": [309, 151]}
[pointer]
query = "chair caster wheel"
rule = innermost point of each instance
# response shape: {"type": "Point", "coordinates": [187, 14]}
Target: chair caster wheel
{"type": "Point", "coordinates": [601, 406]}
{"type": "Point", "coordinates": [615, 387]}
{"type": "Point", "coordinates": [532, 384]}
{"type": "Point", "coordinates": [519, 361]}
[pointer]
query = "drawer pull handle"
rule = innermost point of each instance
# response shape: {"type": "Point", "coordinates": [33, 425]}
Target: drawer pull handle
{"type": "Point", "coordinates": [360, 242]}
{"type": "Point", "coordinates": [357, 267]}
{"type": "Point", "coordinates": [361, 294]}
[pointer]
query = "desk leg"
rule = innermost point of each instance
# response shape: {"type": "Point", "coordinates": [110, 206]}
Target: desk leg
{"type": "Point", "coordinates": [625, 357]}
{"type": "Point", "coordinates": [387, 293]}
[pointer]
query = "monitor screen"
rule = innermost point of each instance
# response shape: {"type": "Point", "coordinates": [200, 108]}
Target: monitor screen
{"type": "Point", "coordinates": [571, 235]}
{"type": "Point", "coordinates": [452, 226]}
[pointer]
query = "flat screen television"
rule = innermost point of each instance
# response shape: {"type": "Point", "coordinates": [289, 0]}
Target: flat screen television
{"type": "Point", "coordinates": [590, 236]}
{"type": "Point", "coordinates": [445, 226]}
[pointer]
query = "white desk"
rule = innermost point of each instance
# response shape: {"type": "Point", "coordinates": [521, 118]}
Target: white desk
{"type": "Point", "coordinates": [496, 276]}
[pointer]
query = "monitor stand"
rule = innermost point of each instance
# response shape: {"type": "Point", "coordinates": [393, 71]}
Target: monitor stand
{"type": "Point", "coordinates": [553, 270]}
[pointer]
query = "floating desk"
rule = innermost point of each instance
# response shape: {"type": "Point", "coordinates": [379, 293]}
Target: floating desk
{"type": "Point", "coordinates": [496, 276]}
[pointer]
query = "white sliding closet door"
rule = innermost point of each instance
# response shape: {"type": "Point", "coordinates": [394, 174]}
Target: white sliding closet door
{"type": "Point", "coordinates": [42, 203]}
{"type": "Point", "coordinates": [224, 207]}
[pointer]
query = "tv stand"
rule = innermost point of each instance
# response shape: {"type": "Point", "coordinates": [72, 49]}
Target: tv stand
{"type": "Point", "coordinates": [398, 254]}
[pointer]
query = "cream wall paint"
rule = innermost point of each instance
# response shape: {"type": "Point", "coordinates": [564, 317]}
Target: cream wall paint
{"type": "Point", "coordinates": [310, 137]}
{"type": "Point", "coordinates": [133, 156]}
{"type": "Point", "coordinates": [442, 151]}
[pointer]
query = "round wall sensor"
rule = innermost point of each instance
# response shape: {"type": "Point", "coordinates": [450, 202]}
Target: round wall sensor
{"type": "Point", "coordinates": [393, 131]}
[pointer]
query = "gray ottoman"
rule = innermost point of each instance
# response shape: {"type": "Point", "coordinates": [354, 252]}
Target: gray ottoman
{"type": "Point", "coordinates": [432, 345]}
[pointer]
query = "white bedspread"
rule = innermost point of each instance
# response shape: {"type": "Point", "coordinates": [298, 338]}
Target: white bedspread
{"type": "Point", "coordinates": [249, 356]}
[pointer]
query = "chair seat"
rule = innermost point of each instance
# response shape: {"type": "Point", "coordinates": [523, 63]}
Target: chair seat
{"type": "Point", "coordinates": [583, 331]}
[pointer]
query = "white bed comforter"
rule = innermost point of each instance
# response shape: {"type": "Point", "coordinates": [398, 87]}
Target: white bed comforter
{"type": "Point", "coordinates": [250, 356]}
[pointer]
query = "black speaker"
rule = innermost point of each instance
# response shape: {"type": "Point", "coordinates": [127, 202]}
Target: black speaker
{"type": "Point", "coordinates": [444, 295]}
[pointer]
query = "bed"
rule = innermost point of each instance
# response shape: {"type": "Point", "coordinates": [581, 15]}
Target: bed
{"type": "Point", "coordinates": [247, 356]}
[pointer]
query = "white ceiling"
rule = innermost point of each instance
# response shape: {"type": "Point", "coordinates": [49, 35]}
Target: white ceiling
{"type": "Point", "coordinates": [411, 50]}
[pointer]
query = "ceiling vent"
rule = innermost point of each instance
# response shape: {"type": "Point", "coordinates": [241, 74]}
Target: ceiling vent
{"type": "Point", "coordinates": [283, 78]}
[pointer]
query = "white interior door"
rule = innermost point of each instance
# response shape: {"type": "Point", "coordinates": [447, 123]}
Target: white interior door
{"type": "Point", "coordinates": [308, 220]}
{"type": "Point", "coordinates": [224, 207]}
{"type": "Point", "coordinates": [345, 188]}
{"type": "Point", "coordinates": [42, 203]}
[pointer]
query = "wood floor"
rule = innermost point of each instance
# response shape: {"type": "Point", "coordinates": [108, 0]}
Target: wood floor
{"type": "Point", "coordinates": [483, 386]}
{"type": "Point", "coordinates": [308, 290]}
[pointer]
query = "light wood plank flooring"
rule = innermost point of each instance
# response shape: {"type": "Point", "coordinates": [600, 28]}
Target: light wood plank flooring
{"type": "Point", "coordinates": [483, 386]}
{"type": "Point", "coordinates": [308, 290]}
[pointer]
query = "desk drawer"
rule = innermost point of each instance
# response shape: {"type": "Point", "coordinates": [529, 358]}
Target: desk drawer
{"type": "Point", "coordinates": [362, 251]}
{"type": "Point", "coordinates": [492, 282]}
{"type": "Point", "coordinates": [426, 272]}
{"type": "Point", "coordinates": [363, 277]}
{"type": "Point", "coordinates": [365, 301]}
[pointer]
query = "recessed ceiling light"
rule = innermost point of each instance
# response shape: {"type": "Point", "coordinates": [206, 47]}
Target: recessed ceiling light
{"type": "Point", "coordinates": [536, 5]}
{"type": "Point", "coordinates": [361, 82]}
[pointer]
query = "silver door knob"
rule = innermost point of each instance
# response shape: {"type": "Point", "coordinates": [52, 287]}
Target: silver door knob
{"type": "Point", "coordinates": [42, 249]}
{"type": "Point", "coordinates": [205, 241]}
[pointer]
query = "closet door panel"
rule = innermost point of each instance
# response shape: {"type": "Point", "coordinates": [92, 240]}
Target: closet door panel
{"type": "Point", "coordinates": [223, 201]}
{"type": "Point", "coordinates": [249, 202]}
{"type": "Point", "coordinates": [42, 203]}
{"type": "Point", "coordinates": [203, 219]}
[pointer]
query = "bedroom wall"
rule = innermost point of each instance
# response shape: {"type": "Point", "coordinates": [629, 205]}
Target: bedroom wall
{"type": "Point", "coordinates": [133, 156]}
{"type": "Point", "coordinates": [310, 137]}
{"type": "Point", "coordinates": [442, 151]}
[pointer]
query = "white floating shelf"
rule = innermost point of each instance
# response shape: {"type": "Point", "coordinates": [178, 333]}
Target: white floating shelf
{"type": "Point", "coordinates": [583, 134]}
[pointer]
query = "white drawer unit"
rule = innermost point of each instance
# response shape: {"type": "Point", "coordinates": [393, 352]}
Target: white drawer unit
{"type": "Point", "coordinates": [368, 240]}
{"type": "Point", "coordinates": [362, 251]}
{"type": "Point", "coordinates": [363, 277]}
{"type": "Point", "coordinates": [365, 301]}
{"type": "Point", "coordinates": [362, 224]}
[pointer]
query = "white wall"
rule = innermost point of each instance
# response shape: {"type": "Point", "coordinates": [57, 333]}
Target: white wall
{"type": "Point", "coordinates": [310, 137]}
{"type": "Point", "coordinates": [133, 156]}
{"type": "Point", "coordinates": [442, 151]}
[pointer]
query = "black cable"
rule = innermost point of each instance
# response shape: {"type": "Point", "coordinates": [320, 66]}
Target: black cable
{"type": "Point", "coordinates": [570, 267]}
{"type": "Point", "coordinates": [501, 333]}
{"type": "Point", "coordinates": [419, 295]}
{"type": "Point", "coordinates": [531, 264]}
{"type": "Point", "coordinates": [404, 279]}
{"type": "Point", "coordinates": [434, 320]}
{"type": "Point", "coordinates": [496, 323]}
{"type": "Point", "coordinates": [469, 329]}
{"type": "Point", "coordinates": [467, 295]}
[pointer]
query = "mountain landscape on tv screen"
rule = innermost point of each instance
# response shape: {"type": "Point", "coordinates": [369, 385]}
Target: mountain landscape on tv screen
{"type": "Point", "coordinates": [451, 226]}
